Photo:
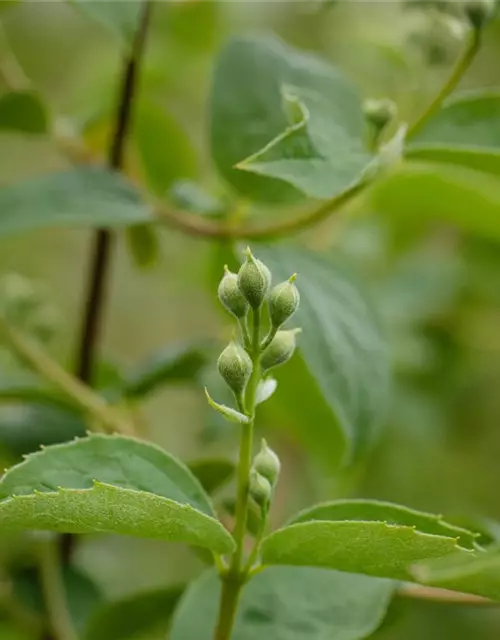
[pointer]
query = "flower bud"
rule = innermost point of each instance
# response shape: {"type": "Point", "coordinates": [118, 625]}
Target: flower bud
{"type": "Point", "coordinates": [283, 301]}
{"type": "Point", "coordinates": [280, 350]}
{"type": "Point", "coordinates": [379, 113]}
{"type": "Point", "coordinates": [235, 366]}
{"type": "Point", "coordinates": [259, 488]}
{"type": "Point", "coordinates": [254, 279]}
{"type": "Point", "coordinates": [479, 12]}
{"type": "Point", "coordinates": [231, 296]}
{"type": "Point", "coordinates": [267, 464]}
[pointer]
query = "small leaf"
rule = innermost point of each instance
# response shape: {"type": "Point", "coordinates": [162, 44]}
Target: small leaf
{"type": "Point", "coordinates": [83, 197]}
{"type": "Point", "coordinates": [143, 244]}
{"type": "Point", "coordinates": [114, 460]}
{"type": "Point", "coordinates": [23, 111]}
{"type": "Point", "coordinates": [371, 548]}
{"type": "Point", "coordinates": [469, 199]}
{"type": "Point", "coordinates": [320, 155]}
{"type": "Point", "coordinates": [177, 363]}
{"type": "Point", "coordinates": [142, 612]}
{"type": "Point", "coordinates": [344, 353]}
{"type": "Point", "coordinates": [478, 574]}
{"type": "Point", "coordinates": [230, 414]}
{"type": "Point", "coordinates": [110, 509]}
{"type": "Point", "coordinates": [189, 196]}
{"type": "Point", "coordinates": [165, 151]}
{"type": "Point", "coordinates": [120, 18]}
{"type": "Point", "coordinates": [378, 511]}
{"type": "Point", "coordinates": [212, 474]}
{"type": "Point", "coordinates": [288, 603]}
{"type": "Point", "coordinates": [265, 390]}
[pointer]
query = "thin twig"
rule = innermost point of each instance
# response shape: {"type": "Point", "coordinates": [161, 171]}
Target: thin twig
{"type": "Point", "coordinates": [434, 594]}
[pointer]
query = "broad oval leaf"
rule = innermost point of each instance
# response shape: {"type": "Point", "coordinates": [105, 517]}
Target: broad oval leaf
{"type": "Point", "coordinates": [371, 548]}
{"type": "Point", "coordinates": [471, 574]}
{"type": "Point", "coordinates": [421, 193]}
{"type": "Point", "coordinates": [378, 511]}
{"type": "Point", "coordinates": [120, 18]}
{"type": "Point", "coordinates": [115, 460]}
{"type": "Point", "coordinates": [294, 120]}
{"type": "Point", "coordinates": [344, 352]}
{"type": "Point", "coordinates": [110, 509]}
{"type": "Point", "coordinates": [23, 111]}
{"type": "Point", "coordinates": [82, 197]}
{"type": "Point", "coordinates": [125, 619]}
{"type": "Point", "coordinates": [288, 603]}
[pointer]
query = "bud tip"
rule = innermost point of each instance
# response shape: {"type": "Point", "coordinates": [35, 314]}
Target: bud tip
{"type": "Point", "coordinates": [292, 278]}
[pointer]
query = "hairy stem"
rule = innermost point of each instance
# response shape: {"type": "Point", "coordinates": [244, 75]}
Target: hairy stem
{"type": "Point", "coordinates": [236, 576]}
{"type": "Point", "coordinates": [100, 262]}
{"type": "Point", "coordinates": [54, 591]}
{"type": "Point", "coordinates": [461, 66]}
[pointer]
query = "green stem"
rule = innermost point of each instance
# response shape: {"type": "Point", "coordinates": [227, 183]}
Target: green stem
{"type": "Point", "coordinates": [258, 540]}
{"type": "Point", "coordinates": [91, 403]}
{"type": "Point", "coordinates": [244, 332]}
{"type": "Point", "coordinates": [54, 591]}
{"type": "Point", "coordinates": [461, 66]}
{"type": "Point", "coordinates": [236, 576]}
{"type": "Point", "coordinates": [269, 338]}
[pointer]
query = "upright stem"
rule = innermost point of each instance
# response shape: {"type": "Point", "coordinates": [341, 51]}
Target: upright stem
{"type": "Point", "coordinates": [99, 270]}
{"type": "Point", "coordinates": [54, 591]}
{"type": "Point", "coordinates": [235, 578]}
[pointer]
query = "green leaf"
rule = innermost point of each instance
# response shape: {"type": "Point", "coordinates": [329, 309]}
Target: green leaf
{"type": "Point", "coordinates": [120, 18]}
{"type": "Point", "coordinates": [178, 363]}
{"type": "Point", "coordinates": [212, 474]}
{"type": "Point", "coordinates": [110, 484]}
{"type": "Point", "coordinates": [288, 603]}
{"type": "Point", "coordinates": [83, 197]}
{"type": "Point", "coordinates": [476, 574]}
{"type": "Point", "coordinates": [143, 244]}
{"type": "Point", "coordinates": [22, 111]}
{"type": "Point", "coordinates": [165, 151]}
{"type": "Point", "coordinates": [318, 151]}
{"type": "Point", "coordinates": [372, 548]}
{"type": "Point", "coordinates": [82, 594]}
{"type": "Point", "coordinates": [378, 511]}
{"type": "Point", "coordinates": [425, 193]}
{"type": "Point", "coordinates": [125, 619]}
{"type": "Point", "coordinates": [344, 352]}
{"type": "Point", "coordinates": [24, 427]}
{"type": "Point", "coordinates": [477, 159]}
{"type": "Point", "coordinates": [228, 412]}
{"type": "Point", "coordinates": [469, 120]}
{"type": "Point", "coordinates": [189, 196]}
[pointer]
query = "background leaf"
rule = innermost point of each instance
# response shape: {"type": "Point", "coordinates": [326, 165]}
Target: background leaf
{"type": "Point", "coordinates": [143, 243]}
{"type": "Point", "coordinates": [22, 111]}
{"type": "Point", "coordinates": [342, 347]}
{"type": "Point", "coordinates": [120, 18]}
{"type": "Point", "coordinates": [212, 473]}
{"type": "Point", "coordinates": [165, 151]}
{"type": "Point", "coordinates": [320, 158]}
{"type": "Point", "coordinates": [127, 618]}
{"type": "Point", "coordinates": [83, 197]}
{"type": "Point", "coordinates": [371, 548]}
{"type": "Point", "coordinates": [288, 603]}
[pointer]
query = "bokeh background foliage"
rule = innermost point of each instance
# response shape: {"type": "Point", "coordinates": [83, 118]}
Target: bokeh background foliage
{"type": "Point", "coordinates": [406, 278]}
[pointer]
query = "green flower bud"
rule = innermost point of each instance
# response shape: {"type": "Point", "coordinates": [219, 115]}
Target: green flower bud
{"type": "Point", "coordinates": [231, 296]}
{"type": "Point", "coordinates": [235, 366]}
{"type": "Point", "coordinates": [267, 464]}
{"type": "Point", "coordinates": [479, 12]}
{"type": "Point", "coordinates": [254, 280]}
{"type": "Point", "coordinates": [379, 113]}
{"type": "Point", "coordinates": [259, 488]}
{"type": "Point", "coordinates": [280, 350]}
{"type": "Point", "coordinates": [283, 301]}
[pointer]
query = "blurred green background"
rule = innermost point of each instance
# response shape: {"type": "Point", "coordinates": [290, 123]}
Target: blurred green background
{"type": "Point", "coordinates": [437, 288]}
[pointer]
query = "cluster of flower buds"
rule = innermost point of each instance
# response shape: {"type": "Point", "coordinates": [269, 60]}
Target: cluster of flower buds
{"type": "Point", "coordinates": [249, 289]}
{"type": "Point", "coordinates": [264, 476]}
